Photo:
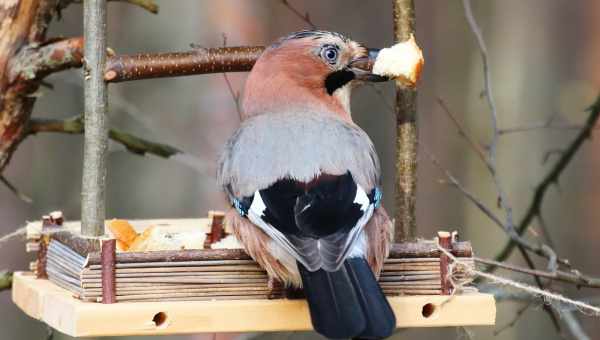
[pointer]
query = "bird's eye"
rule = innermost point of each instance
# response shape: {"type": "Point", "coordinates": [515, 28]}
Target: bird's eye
{"type": "Point", "coordinates": [330, 54]}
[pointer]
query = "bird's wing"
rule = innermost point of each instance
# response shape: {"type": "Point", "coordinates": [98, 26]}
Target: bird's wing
{"type": "Point", "coordinates": [320, 226]}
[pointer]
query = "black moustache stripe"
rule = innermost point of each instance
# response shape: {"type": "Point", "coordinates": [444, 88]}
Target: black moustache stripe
{"type": "Point", "coordinates": [337, 79]}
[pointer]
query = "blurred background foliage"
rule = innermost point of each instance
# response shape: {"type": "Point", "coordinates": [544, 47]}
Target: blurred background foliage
{"type": "Point", "coordinates": [544, 57]}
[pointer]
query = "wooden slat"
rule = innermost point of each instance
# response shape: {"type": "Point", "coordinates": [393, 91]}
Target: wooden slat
{"type": "Point", "coordinates": [45, 301]}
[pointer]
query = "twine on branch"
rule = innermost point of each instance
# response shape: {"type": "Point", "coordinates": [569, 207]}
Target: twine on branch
{"type": "Point", "coordinates": [545, 295]}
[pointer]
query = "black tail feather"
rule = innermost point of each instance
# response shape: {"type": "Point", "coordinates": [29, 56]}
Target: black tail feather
{"type": "Point", "coordinates": [348, 303]}
{"type": "Point", "coordinates": [334, 306]}
{"type": "Point", "coordinates": [381, 320]}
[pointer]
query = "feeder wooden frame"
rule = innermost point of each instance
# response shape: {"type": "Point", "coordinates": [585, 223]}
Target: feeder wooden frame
{"type": "Point", "coordinates": [55, 306]}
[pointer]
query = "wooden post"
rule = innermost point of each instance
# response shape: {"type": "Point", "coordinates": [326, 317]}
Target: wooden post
{"type": "Point", "coordinates": [406, 135]}
{"type": "Point", "coordinates": [217, 230]}
{"type": "Point", "coordinates": [445, 241]}
{"type": "Point", "coordinates": [40, 270]}
{"type": "Point", "coordinates": [108, 259]}
{"type": "Point", "coordinates": [95, 124]}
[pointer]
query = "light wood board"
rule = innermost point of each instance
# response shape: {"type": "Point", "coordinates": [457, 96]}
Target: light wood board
{"type": "Point", "coordinates": [55, 306]}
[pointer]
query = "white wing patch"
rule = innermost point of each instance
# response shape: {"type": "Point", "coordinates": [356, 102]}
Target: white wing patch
{"type": "Point", "coordinates": [332, 250]}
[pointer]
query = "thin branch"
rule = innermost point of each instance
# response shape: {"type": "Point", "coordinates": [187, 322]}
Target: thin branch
{"type": "Point", "coordinates": [538, 249]}
{"type": "Point", "coordinates": [463, 132]}
{"type": "Point", "coordinates": [234, 95]}
{"type": "Point", "coordinates": [148, 5]}
{"type": "Point", "coordinates": [74, 125]}
{"type": "Point", "coordinates": [573, 277]}
{"type": "Point", "coordinates": [552, 177]}
{"type": "Point", "coordinates": [304, 17]}
{"type": "Point", "coordinates": [5, 280]}
{"type": "Point", "coordinates": [542, 126]}
{"type": "Point", "coordinates": [15, 190]}
{"type": "Point", "coordinates": [520, 312]}
{"type": "Point", "coordinates": [199, 61]}
{"type": "Point", "coordinates": [573, 325]}
{"type": "Point", "coordinates": [491, 159]}
{"type": "Point", "coordinates": [509, 225]}
{"type": "Point", "coordinates": [145, 4]}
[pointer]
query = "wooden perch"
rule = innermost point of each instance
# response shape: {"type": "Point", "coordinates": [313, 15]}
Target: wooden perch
{"type": "Point", "coordinates": [200, 61]}
{"type": "Point", "coordinates": [108, 252]}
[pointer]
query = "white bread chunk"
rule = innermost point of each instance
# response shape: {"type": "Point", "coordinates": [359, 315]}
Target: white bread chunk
{"type": "Point", "coordinates": [402, 62]}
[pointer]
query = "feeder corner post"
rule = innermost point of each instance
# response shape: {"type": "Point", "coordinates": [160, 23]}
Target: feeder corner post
{"type": "Point", "coordinates": [406, 135]}
{"type": "Point", "coordinates": [93, 208]}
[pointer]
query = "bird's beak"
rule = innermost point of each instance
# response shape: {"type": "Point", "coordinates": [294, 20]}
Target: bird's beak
{"type": "Point", "coordinates": [362, 67]}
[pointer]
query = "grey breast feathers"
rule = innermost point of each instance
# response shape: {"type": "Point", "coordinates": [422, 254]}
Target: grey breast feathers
{"type": "Point", "coordinates": [300, 146]}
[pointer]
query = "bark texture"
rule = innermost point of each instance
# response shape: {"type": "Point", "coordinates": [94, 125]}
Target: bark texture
{"type": "Point", "coordinates": [95, 145]}
{"type": "Point", "coordinates": [25, 58]}
{"type": "Point", "coordinates": [406, 135]}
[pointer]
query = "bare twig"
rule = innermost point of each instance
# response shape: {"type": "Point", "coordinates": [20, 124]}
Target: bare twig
{"type": "Point", "coordinates": [520, 312]}
{"type": "Point", "coordinates": [234, 95]}
{"type": "Point", "coordinates": [148, 5]}
{"type": "Point", "coordinates": [573, 325]}
{"type": "Point", "coordinates": [15, 190]}
{"type": "Point", "coordinates": [463, 132]}
{"type": "Point", "coordinates": [542, 126]}
{"type": "Point", "coordinates": [509, 225]}
{"type": "Point", "coordinates": [145, 4]}
{"type": "Point", "coordinates": [132, 143]}
{"type": "Point", "coordinates": [491, 159]}
{"type": "Point", "coordinates": [5, 280]}
{"type": "Point", "coordinates": [304, 17]}
{"type": "Point", "coordinates": [552, 176]}
{"type": "Point", "coordinates": [406, 134]}
{"type": "Point", "coordinates": [573, 277]}
{"type": "Point", "coordinates": [539, 249]}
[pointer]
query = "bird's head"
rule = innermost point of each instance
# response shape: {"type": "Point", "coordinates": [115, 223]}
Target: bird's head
{"type": "Point", "coordinates": [311, 71]}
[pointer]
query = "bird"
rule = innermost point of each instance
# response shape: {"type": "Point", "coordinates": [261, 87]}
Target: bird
{"type": "Point", "coordinates": [304, 182]}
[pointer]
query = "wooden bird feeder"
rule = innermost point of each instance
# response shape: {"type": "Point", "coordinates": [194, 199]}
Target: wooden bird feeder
{"type": "Point", "coordinates": [81, 285]}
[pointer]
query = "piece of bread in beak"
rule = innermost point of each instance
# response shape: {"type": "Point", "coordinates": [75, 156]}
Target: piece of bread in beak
{"type": "Point", "coordinates": [402, 62]}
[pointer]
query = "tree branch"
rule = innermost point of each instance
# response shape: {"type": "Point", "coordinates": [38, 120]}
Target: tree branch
{"type": "Point", "coordinates": [148, 5]}
{"type": "Point", "coordinates": [305, 17]}
{"type": "Point", "coordinates": [539, 249]}
{"type": "Point", "coordinates": [573, 277]}
{"type": "Point", "coordinates": [199, 61]}
{"type": "Point", "coordinates": [15, 190]}
{"type": "Point", "coordinates": [5, 280]}
{"type": "Point", "coordinates": [406, 134]}
{"type": "Point", "coordinates": [36, 62]}
{"type": "Point", "coordinates": [552, 177]}
{"type": "Point", "coordinates": [74, 125]}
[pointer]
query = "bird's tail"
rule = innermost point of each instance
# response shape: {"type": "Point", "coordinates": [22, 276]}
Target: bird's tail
{"type": "Point", "coordinates": [348, 303]}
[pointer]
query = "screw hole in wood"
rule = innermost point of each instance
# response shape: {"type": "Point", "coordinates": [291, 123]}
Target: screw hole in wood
{"type": "Point", "coordinates": [428, 310]}
{"type": "Point", "coordinates": [160, 319]}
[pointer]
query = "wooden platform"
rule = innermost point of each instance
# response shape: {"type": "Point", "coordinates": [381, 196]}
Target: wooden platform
{"type": "Point", "coordinates": [55, 306]}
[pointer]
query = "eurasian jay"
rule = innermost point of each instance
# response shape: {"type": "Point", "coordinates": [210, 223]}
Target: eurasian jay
{"type": "Point", "coordinates": [304, 181]}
